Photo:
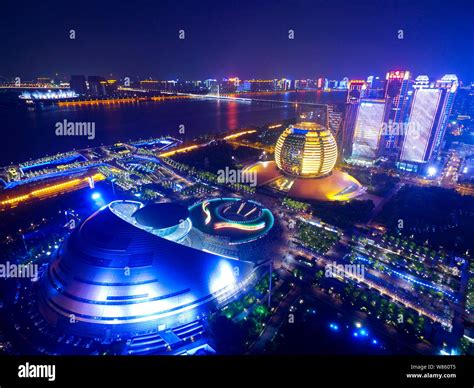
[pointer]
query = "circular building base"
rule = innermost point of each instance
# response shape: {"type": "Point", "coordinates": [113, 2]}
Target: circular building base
{"type": "Point", "coordinates": [337, 186]}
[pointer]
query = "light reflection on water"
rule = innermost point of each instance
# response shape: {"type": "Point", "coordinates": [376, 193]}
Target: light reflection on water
{"type": "Point", "coordinates": [31, 134]}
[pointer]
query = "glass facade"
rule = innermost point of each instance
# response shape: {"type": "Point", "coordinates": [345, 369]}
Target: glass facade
{"type": "Point", "coordinates": [368, 129]}
{"type": "Point", "coordinates": [306, 150]}
{"type": "Point", "coordinates": [420, 125]}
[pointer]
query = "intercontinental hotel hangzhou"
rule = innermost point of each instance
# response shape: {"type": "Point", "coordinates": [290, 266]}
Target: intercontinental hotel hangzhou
{"type": "Point", "coordinates": [305, 157]}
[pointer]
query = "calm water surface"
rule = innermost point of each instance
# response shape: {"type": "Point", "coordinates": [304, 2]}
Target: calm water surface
{"type": "Point", "coordinates": [31, 134]}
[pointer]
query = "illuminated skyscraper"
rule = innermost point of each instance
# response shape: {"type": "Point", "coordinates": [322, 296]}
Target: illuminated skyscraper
{"type": "Point", "coordinates": [422, 81]}
{"type": "Point", "coordinates": [396, 89]}
{"type": "Point", "coordinates": [348, 127]}
{"type": "Point", "coordinates": [396, 105]}
{"type": "Point", "coordinates": [427, 121]}
{"type": "Point", "coordinates": [356, 91]}
{"type": "Point", "coordinates": [450, 84]}
{"type": "Point", "coordinates": [367, 129]}
{"type": "Point", "coordinates": [334, 118]}
{"type": "Point", "coordinates": [418, 141]}
{"type": "Point", "coordinates": [464, 103]}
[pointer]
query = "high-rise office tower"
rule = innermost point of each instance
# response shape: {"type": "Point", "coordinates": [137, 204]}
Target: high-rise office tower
{"type": "Point", "coordinates": [367, 123]}
{"type": "Point", "coordinates": [427, 122]}
{"type": "Point", "coordinates": [396, 89]}
{"type": "Point", "coordinates": [463, 106]}
{"type": "Point", "coordinates": [354, 94]}
{"type": "Point", "coordinates": [335, 118]}
{"type": "Point", "coordinates": [348, 127]}
{"type": "Point", "coordinates": [357, 90]}
{"type": "Point", "coordinates": [397, 98]}
{"type": "Point", "coordinates": [421, 126]}
{"type": "Point", "coordinates": [449, 83]}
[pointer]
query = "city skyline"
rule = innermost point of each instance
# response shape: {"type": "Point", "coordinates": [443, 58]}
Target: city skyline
{"type": "Point", "coordinates": [46, 78]}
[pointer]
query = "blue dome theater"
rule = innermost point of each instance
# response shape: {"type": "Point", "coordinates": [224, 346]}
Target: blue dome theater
{"type": "Point", "coordinates": [121, 273]}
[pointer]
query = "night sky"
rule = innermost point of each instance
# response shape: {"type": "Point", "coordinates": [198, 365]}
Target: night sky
{"type": "Point", "coordinates": [333, 38]}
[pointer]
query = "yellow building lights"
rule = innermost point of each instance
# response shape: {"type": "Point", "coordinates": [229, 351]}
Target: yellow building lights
{"type": "Point", "coordinates": [306, 150]}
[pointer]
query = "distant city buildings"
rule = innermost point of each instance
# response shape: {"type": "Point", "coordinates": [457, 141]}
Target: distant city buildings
{"type": "Point", "coordinates": [375, 87]}
{"type": "Point", "coordinates": [211, 84]}
{"type": "Point", "coordinates": [158, 85]}
{"type": "Point", "coordinates": [229, 85]}
{"type": "Point", "coordinates": [79, 84]}
{"type": "Point", "coordinates": [357, 89]}
{"type": "Point", "coordinates": [45, 81]}
{"type": "Point", "coordinates": [93, 85]}
{"type": "Point", "coordinates": [96, 85]}
{"type": "Point", "coordinates": [282, 84]}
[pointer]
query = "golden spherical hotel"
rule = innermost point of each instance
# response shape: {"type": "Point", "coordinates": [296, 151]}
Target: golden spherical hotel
{"type": "Point", "coordinates": [305, 156]}
{"type": "Point", "coordinates": [306, 150]}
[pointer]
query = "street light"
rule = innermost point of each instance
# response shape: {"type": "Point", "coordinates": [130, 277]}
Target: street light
{"type": "Point", "coordinates": [95, 196]}
{"type": "Point", "coordinates": [432, 171]}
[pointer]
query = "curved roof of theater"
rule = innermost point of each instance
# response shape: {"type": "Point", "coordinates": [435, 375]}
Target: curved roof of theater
{"type": "Point", "coordinates": [161, 215]}
{"type": "Point", "coordinates": [110, 271]}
